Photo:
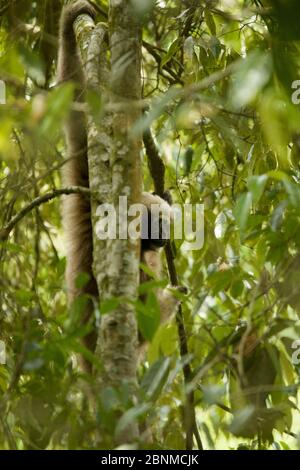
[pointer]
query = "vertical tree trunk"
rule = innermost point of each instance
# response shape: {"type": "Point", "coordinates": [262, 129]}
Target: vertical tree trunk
{"type": "Point", "coordinates": [100, 135]}
{"type": "Point", "coordinates": [115, 170]}
{"type": "Point", "coordinates": [117, 342]}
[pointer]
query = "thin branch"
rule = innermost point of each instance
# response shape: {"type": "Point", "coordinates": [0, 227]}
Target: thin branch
{"type": "Point", "coordinates": [157, 170]}
{"type": "Point", "coordinates": [155, 162]}
{"type": "Point", "coordinates": [5, 231]}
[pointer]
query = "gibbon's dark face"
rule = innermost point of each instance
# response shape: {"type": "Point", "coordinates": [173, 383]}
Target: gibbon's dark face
{"type": "Point", "coordinates": [154, 232]}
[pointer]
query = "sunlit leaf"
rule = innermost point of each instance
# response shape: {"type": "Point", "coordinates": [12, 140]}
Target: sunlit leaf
{"type": "Point", "coordinates": [252, 74]}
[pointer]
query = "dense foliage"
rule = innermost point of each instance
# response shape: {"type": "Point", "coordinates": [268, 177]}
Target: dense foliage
{"type": "Point", "coordinates": [219, 79]}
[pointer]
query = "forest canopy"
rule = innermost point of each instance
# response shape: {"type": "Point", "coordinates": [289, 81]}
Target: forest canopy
{"type": "Point", "coordinates": [220, 94]}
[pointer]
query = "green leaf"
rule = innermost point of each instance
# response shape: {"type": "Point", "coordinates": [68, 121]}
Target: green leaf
{"type": "Point", "coordinates": [188, 160]}
{"type": "Point", "coordinates": [240, 423]}
{"type": "Point", "coordinates": [209, 19]}
{"type": "Point", "coordinates": [251, 75]}
{"type": "Point", "coordinates": [130, 417]}
{"type": "Point", "coordinates": [33, 64]}
{"type": "Point", "coordinates": [151, 286]}
{"type": "Point", "coordinates": [109, 305]}
{"type": "Point", "coordinates": [78, 306]}
{"type": "Point", "coordinates": [81, 280]}
{"type": "Point", "coordinates": [221, 225]}
{"type": "Point", "coordinates": [109, 399]}
{"type": "Point", "coordinates": [155, 378]}
{"type": "Point", "coordinates": [148, 316]}
{"type": "Point", "coordinates": [277, 175]}
{"type": "Point", "coordinates": [256, 186]}
{"type": "Point", "coordinates": [284, 445]}
{"type": "Point", "coordinates": [237, 289]}
{"type": "Point", "coordinates": [287, 368]}
{"type": "Point", "coordinates": [95, 104]}
{"type": "Point", "coordinates": [293, 191]}
{"type": "Point", "coordinates": [58, 106]}
{"type": "Point", "coordinates": [215, 46]}
{"type": "Point", "coordinates": [23, 296]}
{"type": "Point", "coordinates": [277, 216]}
{"type": "Point", "coordinates": [171, 52]}
{"type": "Point", "coordinates": [33, 364]}
{"type": "Point", "coordinates": [213, 393]}
{"type": "Point", "coordinates": [242, 210]}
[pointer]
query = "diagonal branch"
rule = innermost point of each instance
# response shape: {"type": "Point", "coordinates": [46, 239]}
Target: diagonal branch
{"type": "Point", "coordinates": [5, 231]}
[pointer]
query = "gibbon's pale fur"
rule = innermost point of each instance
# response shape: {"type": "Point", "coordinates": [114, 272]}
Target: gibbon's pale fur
{"type": "Point", "coordinates": [76, 208]}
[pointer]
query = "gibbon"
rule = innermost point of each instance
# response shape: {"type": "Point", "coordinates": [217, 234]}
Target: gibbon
{"type": "Point", "coordinates": [76, 208]}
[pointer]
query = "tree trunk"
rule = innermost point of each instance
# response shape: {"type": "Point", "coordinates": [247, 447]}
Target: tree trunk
{"type": "Point", "coordinates": [118, 335]}
{"type": "Point", "coordinates": [115, 170]}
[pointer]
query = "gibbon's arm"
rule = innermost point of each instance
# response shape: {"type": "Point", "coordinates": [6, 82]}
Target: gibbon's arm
{"type": "Point", "coordinates": [76, 208]}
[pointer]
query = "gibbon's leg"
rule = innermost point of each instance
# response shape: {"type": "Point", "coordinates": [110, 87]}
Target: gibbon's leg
{"type": "Point", "coordinates": [168, 303]}
{"type": "Point", "coordinates": [76, 208]}
{"type": "Point", "coordinates": [166, 299]}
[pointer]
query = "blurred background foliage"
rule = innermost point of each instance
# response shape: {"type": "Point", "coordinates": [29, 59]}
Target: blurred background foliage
{"type": "Point", "coordinates": [218, 76]}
